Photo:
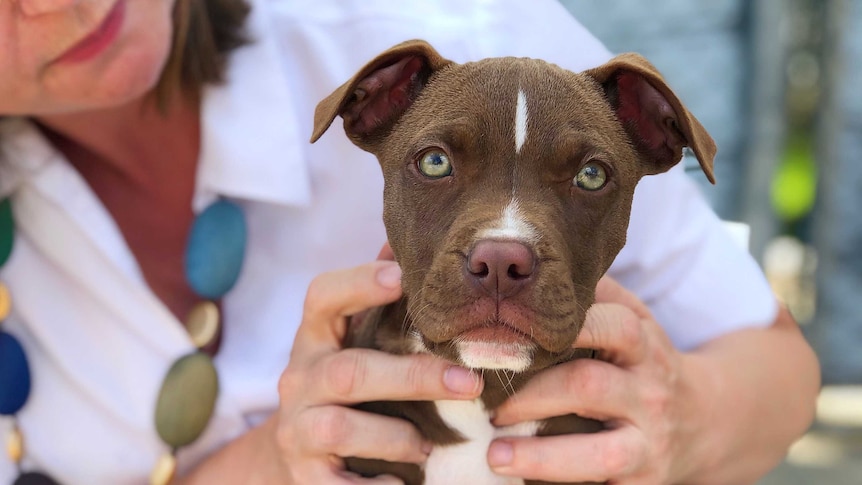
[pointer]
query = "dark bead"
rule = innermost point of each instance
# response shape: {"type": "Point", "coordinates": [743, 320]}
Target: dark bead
{"type": "Point", "coordinates": [34, 478]}
{"type": "Point", "coordinates": [14, 375]}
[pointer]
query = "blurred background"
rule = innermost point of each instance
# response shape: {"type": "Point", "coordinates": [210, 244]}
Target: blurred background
{"type": "Point", "coordinates": [778, 84]}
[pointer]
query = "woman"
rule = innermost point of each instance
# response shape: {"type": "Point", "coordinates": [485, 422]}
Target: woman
{"type": "Point", "coordinates": [116, 140]}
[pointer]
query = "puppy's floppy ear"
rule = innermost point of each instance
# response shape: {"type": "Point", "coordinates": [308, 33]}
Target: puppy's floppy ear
{"type": "Point", "coordinates": [654, 118]}
{"type": "Point", "coordinates": [373, 100]}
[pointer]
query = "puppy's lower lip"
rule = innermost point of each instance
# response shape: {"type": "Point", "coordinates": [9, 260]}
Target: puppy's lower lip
{"type": "Point", "coordinates": [495, 348]}
{"type": "Point", "coordinates": [501, 334]}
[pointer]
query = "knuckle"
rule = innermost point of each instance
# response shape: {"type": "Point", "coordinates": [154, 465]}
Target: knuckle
{"type": "Point", "coordinates": [289, 382]}
{"type": "Point", "coordinates": [589, 378]}
{"type": "Point", "coordinates": [417, 374]}
{"type": "Point", "coordinates": [328, 427]}
{"type": "Point", "coordinates": [345, 373]}
{"type": "Point", "coordinates": [286, 439]}
{"type": "Point", "coordinates": [657, 401]}
{"type": "Point", "coordinates": [618, 458]}
{"type": "Point", "coordinates": [631, 331]}
{"type": "Point", "coordinates": [315, 296]}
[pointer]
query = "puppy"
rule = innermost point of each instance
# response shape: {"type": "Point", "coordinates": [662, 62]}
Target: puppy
{"type": "Point", "coordinates": [508, 185]}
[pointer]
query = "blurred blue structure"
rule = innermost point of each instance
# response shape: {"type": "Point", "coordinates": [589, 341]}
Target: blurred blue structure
{"type": "Point", "coordinates": [728, 61]}
{"type": "Point", "coordinates": [837, 222]}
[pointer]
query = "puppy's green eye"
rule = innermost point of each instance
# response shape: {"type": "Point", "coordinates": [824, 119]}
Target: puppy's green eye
{"type": "Point", "coordinates": [435, 165]}
{"type": "Point", "coordinates": [591, 177]}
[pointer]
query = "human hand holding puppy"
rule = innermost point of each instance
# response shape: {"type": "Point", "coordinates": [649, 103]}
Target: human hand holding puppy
{"type": "Point", "coordinates": [316, 428]}
{"type": "Point", "coordinates": [640, 386]}
{"type": "Point", "coordinates": [705, 416]}
{"type": "Point", "coordinates": [668, 412]}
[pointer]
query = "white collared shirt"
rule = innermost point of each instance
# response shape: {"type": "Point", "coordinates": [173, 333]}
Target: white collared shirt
{"type": "Point", "coordinates": [99, 342]}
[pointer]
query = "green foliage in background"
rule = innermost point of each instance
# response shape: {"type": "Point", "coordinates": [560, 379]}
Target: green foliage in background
{"type": "Point", "coordinates": [795, 181]}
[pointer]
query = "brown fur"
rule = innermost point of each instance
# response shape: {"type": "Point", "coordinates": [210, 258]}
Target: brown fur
{"type": "Point", "coordinates": [409, 99]}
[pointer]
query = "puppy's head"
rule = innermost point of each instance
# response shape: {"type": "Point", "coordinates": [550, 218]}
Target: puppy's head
{"type": "Point", "coordinates": [508, 187]}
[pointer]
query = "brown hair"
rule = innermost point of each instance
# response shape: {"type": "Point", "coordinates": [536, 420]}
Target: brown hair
{"type": "Point", "coordinates": [205, 32]}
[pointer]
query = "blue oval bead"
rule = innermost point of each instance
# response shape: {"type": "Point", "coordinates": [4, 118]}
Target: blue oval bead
{"type": "Point", "coordinates": [14, 375]}
{"type": "Point", "coordinates": [216, 248]}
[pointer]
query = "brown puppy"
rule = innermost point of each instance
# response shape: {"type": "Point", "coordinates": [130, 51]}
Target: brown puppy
{"type": "Point", "coordinates": [508, 187]}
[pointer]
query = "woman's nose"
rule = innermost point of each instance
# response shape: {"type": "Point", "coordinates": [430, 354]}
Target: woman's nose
{"type": "Point", "coordinates": [39, 7]}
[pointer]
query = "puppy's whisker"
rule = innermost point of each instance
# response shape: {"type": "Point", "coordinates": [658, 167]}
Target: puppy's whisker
{"type": "Point", "coordinates": [511, 387]}
{"type": "Point", "coordinates": [508, 387]}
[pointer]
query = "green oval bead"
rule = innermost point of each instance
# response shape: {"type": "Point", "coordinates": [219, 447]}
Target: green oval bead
{"type": "Point", "coordinates": [187, 399]}
{"type": "Point", "coordinates": [7, 230]}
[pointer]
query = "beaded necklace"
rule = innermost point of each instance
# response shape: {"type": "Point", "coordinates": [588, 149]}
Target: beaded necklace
{"type": "Point", "coordinates": [185, 403]}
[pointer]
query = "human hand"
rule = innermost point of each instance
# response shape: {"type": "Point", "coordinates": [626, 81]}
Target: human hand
{"type": "Point", "coordinates": [316, 428]}
{"type": "Point", "coordinates": [637, 386]}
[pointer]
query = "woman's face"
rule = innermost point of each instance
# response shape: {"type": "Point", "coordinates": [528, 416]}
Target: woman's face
{"type": "Point", "coordinates": [60, 56]}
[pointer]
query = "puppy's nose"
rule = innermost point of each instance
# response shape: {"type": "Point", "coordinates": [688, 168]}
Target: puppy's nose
{"type": "Point", "coordinates": [500, 268]}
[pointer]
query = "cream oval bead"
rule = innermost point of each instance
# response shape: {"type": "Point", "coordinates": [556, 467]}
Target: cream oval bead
{"type": "Point", "coordinates": [5, 302]}
{"type": "Point", "coordinates": [15, 445]}
{"type": "Point", "coordinates": [164, 470]}
{"type": "Point", "coordinates": [202, 323]}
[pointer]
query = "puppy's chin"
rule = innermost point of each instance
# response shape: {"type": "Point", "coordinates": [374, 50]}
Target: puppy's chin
{"type": "Point", "coordinates": [482, 348]}
{"type": "Point", "coordinates": [511, 356]}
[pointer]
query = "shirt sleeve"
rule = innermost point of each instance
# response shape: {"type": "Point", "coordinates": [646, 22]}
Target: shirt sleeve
{"type": "Point", "coordinates": [683, 262]}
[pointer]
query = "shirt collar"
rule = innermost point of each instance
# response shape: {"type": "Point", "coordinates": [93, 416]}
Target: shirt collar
{"type": "Point", "coordinates": [251, 146]}
{"type": "Point", "coordinates": [23, 151]}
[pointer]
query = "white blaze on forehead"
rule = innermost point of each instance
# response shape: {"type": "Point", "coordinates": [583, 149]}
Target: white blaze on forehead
{"type": "Point", "coordinates": [520, 121]}
{"type": "Point", "coordinates": [510, 225]}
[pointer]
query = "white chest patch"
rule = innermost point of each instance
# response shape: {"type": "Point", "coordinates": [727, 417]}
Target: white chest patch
{"type": "Point", "coordinates": [467, 463]}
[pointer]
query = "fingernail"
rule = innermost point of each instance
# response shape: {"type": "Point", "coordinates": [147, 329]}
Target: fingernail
{"type": "Point", "coordinates": [427, 447]}
{"type": "Point", "coordinates": [389, 276]}
{"type": "Point", "coordinates": [492, 416]}
{"type": "Point", "coordinates": [461, 380]}
{"type": "Point", "coordinates": [500, 453]}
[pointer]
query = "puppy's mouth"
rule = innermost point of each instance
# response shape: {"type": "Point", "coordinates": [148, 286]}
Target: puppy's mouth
{"type": "Point", "coordinates": [492, 345]}
{"type": "Point", "coordinates": [497, 346]}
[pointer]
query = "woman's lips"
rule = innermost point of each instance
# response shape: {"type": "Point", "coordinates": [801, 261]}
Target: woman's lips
{"type": "Point", "coordinates": [100, 38]}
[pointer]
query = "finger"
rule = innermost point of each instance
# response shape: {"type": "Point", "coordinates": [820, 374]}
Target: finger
{"type": "Point", "coordinates": [586, 387]}
{"type": "Point", "coordinates": [386, 253]}
{"type": "Point", "coordinates": [363, 375]}
{"type": "Point", "coordinates": [610, 291]}
{"type": "Point", "coordinates": [596, 457]}
{"type": "Point", "coordinates": [342, 431]}
{"type": "Point", "coordinates": [617, 332]}
{"type": "Point", "coordinates": [336, 295]}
